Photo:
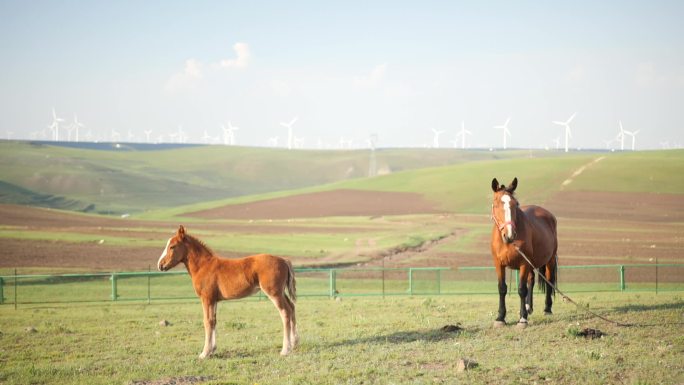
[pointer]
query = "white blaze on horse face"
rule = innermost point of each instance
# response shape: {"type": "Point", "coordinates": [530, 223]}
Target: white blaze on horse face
{"type": "Point", "coordinates": [506, 199]}
{"type": "Point", "coordinates": [163, 254]}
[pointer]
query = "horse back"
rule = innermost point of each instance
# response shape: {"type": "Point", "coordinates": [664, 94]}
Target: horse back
{"type": "Point", "coordinates": [544, 224]}
{"type": "Point", "coordinates": [241, 277]}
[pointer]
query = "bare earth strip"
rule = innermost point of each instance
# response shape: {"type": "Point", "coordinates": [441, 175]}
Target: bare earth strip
{"type": "Point", "coordinates": [333, 203]}
{"type": "Point", "coordinates": [594, 228]}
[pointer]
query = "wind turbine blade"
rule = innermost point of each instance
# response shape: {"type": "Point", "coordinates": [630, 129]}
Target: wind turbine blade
{"type": "Point", "coordinates": [507, 120]}
{"type": "Point", "coordinates": [294, 120]}
{"type": "Point", "coordinates": [569, 131]}
{"type": "Point", "coordinates": [621, 129]}
{"type": "Point", "coordinates": [636, 132]}
{"type": "Point", "coordinates": [571, 118]}
{"type": "Point", "coordinates": [558, 123]}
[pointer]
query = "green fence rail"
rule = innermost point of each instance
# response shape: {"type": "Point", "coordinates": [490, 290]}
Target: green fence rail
{"type": "Point", "coordinates": [152, 286]}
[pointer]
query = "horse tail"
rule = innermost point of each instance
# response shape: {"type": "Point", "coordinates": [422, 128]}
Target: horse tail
{"type": "Point", "coordinates": [291, 282]}
{"type": "Point", "coordinates": [553, 267]}
{"type": "Point", "coordinates": [540, 278]}
{"type": "Point", "coordinates": [554, 275]}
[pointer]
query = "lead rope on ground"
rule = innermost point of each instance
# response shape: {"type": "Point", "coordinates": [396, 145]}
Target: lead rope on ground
{"type": "Point", "coordinates": [565, 297]}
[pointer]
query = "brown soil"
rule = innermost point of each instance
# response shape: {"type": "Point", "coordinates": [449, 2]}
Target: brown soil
{"type": "Point", "coordinates": [640, 207]}
{"type": "Point", "coordinates": [594, 228]}
{"type": "Point", "coordinates": [325, 204]}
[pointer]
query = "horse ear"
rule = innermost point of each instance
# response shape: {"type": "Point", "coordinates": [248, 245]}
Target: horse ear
{"type": "Point", "coordinates": [495, 185]}
{"type": "Point", "coordinates": [513, 185]}
{"type": "Point", "coordinates": [181, 232]}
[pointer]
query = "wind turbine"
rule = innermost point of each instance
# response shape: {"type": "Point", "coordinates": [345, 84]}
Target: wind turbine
{"type": "Point", "coordinates": [55, 125]}
{"type": "Point", "coordinates": [289, 132]}
{"type": "Point", "coordinates": [273, 141]}
{"type": "Point", "coordinates": [182, 138]}
{"type": "Point", "coordinates": [77, 125]}
{"type": "Point", "coordinates": [435, 138]}
{"type": "Point", "coordinates": [462, 134]}
{"type": "Point", "coordinates": [231, 133]}
{"type": "Point", "coordinates": [621, 136]}
{"type": "Point", "coordinates": [633, 135]}
{"type": "Point", "coordinates": [115, 136]}
{"type": "Point", "coordinates": [372, 162]}
{"type": "Point", "coordinates": [147, 135]}
{"type": "Point", "coordinates": [206, 137]}
{"type": "Point", "coordinates": [298, 142]}
{"type": "Point", "coordinates": [504, 127]}
{"type": "Point", "coordinates": [557, 141]}
{"type": "Point", "coordinates": [566, 124]}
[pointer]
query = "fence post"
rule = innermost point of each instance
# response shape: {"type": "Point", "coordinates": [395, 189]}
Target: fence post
{"type": "Point", "coordinates": [439, 281]}
{"type": "Point", "coordinates": [621, 269]}
{"type": "Point", "coordinates": [149, 276]}
{"type": "Point", "coordinates": [410, 278]}
{"type": "Point", "coordinates": [333, 283]}
{"type": "Point", "coordinates": [114, 294]}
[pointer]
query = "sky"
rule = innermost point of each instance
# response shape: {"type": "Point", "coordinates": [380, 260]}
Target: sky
{"type": "Point", "coordinates": [133, 70]}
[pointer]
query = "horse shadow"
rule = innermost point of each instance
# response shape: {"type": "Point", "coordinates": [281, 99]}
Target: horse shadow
{"type": "Point", "coordinates": [403, 337]}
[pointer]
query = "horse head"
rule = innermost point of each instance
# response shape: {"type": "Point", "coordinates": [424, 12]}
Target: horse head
{"type": "Point", "coordinates": [176, 251]}
{"type": "Point", "coordinates": [504, 209]}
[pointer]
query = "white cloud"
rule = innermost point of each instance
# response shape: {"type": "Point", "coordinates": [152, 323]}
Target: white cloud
{"type": "Point", "coordinates": [186, 78]}
{"type": "Point", "coordinates": [373, 79]}
{"type": "Point", "coordinates": [243, 57]}
{"type": "Point", "coordinates": [193, 69]}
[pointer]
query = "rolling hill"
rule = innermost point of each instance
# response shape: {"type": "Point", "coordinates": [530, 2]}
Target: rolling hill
{"type": "Point", "coordinates": [465, 187]}
{"type": "Point", "coordinates": [111, 180]}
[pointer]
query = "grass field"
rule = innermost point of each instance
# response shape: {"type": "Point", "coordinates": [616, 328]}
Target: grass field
{"type": "Point", "coordinates": [123, 181]}
{"type": "Point", "coordinates": [356, 340]}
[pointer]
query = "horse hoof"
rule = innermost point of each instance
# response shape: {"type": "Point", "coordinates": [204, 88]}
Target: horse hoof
{"type": "Point", "coordinates": [203, 356]}
{"type": "Point", "coordinates": [499, 324]}
{"type": "Point", "coordinates": [521, 325]}
{"type": "Point", "coordinates": [285, 352]}
{"type": "Point", "coordinates": [547, 313]}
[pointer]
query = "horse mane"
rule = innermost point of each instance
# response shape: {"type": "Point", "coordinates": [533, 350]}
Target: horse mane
{"type": "Point", "coordinates": [200, 245]}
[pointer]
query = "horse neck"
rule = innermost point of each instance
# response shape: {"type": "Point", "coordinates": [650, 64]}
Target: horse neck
{"type": "Point", "coordinates": [198, 255]}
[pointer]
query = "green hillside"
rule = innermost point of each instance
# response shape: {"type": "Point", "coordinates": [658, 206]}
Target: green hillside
{"type": "Point", "coordinates": [118, 181]}
{"type": "Point", "coordinates": [465, 187]}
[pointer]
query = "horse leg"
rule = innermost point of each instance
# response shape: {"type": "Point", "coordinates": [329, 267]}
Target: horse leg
{"type": "Point", "coordinates": [529, 301]}
{"type": "Point", "coordinates": [209, 326]}
{"type": "Point", "coordinates": [281, 303]}
{"type": "Point", "coordinates": [213, 329]}
{"type": "Point", "coordinates": [503, 289]}
{"type": "Point", "coordinates": [522, 292]}
{"type": "Point", "coordinates": [551, 276]}
{"type": "Point", "coordinates": [294, 336]}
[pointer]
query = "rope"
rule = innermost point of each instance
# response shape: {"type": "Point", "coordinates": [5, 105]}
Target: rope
{"type": "Point", "coordinates": [565, 297]}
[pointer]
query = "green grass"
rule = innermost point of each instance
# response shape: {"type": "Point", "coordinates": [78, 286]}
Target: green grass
{"type": "Point", "coordinates": [644, 172]}
{"type": "Point", "coordinates": [115, 181]}
{"type": "Point", "coordinates": [465, 187]}
{"type": "Point", "coordinates": [357, 340]}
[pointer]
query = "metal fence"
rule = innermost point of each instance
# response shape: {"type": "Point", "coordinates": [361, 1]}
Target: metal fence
{"type": "Point", "coordinates": [156, 286]}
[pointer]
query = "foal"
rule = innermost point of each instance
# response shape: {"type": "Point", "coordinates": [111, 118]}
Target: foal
{"type": "Point", "coordinates": [215, 279]}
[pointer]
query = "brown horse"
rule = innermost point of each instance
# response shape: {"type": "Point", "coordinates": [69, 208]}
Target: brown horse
{"type": "Point", "coordinates": [532, 230]}
{"type": "Point", "coordinates": [215, 279]}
